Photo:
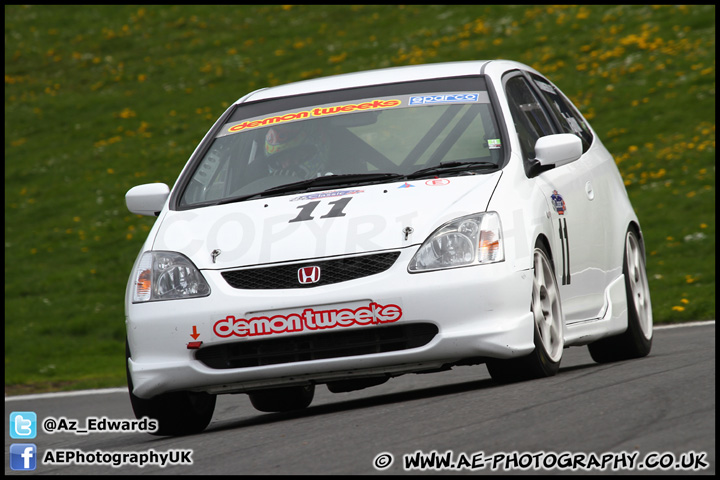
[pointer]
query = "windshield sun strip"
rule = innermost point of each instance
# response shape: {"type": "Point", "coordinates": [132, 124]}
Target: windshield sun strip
{"type": "Point", "coordinates": [356, 106]}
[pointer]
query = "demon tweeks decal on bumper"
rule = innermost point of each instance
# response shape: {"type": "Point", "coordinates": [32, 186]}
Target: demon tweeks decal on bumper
{"type": "Point", "coordinates": [308, 320]}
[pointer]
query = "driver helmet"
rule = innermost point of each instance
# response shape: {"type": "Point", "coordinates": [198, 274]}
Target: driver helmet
{"type": "Point", "coordinates": [291, 150]}
{"type": "Point", "coordinates": [283, 138]}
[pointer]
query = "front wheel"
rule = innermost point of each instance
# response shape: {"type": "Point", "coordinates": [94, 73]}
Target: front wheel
{"type": "Point", "coordinates": [177, 413]}
{"type": "Point", "coordinates": [549, 338]}
{"type": "Point", "coordinates": [636, 341]}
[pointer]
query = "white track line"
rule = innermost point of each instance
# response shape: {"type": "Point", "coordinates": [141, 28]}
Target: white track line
{"type": "Point", "coordinates": [79, 393]}
{"type": "Point", "coordinates": [688, 324]}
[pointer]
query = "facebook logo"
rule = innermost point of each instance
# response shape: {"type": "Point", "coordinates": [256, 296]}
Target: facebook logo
{"type": "Point", "coordinates": [23, 456]}
{"type": "Point", "coordinates": [23, 425]}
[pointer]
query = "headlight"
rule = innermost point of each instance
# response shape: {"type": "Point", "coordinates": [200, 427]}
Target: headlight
{"type": "Point", "coordinates": [167, 276]}
{"type": "Point", "coordinates": [472, 240]}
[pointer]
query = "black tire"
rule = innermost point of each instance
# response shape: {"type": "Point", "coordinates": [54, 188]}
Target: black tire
{"type": "Point", "coordinates": [636, 341]}
{"type": "Point", "coordinates": [177, 413]}
{"type": "Point", "coordinates": [284, 399]}
{"type": "Point", "coordinates": [546, 306]}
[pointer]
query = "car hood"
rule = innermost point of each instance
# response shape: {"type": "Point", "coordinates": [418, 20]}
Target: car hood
{"type": "Point", "coordinates": [304, 225]}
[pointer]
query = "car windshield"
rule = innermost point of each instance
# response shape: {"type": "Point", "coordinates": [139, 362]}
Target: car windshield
{"type": "Point", "coordinates": [348, 137]}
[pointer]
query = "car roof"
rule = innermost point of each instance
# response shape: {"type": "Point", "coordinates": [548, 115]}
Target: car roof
{"type": "Point", "coordinates": [376, 77]}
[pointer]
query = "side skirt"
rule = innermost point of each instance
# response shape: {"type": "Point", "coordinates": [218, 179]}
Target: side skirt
{"type": "Point", "coordinates": [612, 319]}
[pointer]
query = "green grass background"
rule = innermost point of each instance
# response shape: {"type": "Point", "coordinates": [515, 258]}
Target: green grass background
{"type": "Point", "coordinates": [101, 98]}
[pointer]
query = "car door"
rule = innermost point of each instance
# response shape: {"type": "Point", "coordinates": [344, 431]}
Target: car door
{"type": "Point", "coordinates": [578, 226]}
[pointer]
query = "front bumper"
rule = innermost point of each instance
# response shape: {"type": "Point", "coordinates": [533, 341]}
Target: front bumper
{"type": "Point", "coordinates": [479, 311]}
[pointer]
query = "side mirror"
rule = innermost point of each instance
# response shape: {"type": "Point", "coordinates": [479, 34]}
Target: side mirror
{"type": "Point", "coordinates": [557, 150]}
{"type": "Point", "coordinates": [148, 199]}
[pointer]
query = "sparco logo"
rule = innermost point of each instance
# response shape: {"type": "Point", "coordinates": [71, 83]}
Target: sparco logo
{"type": "Point", "coordinates": [308, 275]}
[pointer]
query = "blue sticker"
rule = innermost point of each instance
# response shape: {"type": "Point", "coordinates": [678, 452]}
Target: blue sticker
{"type": "Point", "coordinates": [406, 185]}
{"type": "Point", "coordinates": [558, 203]}
{"type": "Point", "coordinates": [446, 98]}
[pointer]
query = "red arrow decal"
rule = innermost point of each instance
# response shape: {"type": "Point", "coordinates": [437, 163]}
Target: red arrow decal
{"type": "Point", "coordinates": [195, 334]}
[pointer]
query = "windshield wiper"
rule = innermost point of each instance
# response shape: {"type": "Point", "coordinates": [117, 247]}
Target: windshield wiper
{"type": "Point", "coordinates": [450, 167]}
{"type": "Point", "coordinates": [328, 181]}
{"type": "Point", "coordinates": [333, 181]}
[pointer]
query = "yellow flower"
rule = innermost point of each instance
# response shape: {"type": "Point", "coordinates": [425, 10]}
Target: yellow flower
{"type": "Point", "coordinates": [126, 113]}
{"type": "Point", "coordinates": [338, 58]}
{"type": "Point", "coordinates": [678, 308]}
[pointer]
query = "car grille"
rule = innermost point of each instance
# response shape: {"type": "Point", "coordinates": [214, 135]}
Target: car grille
{"type": "Point", "coordinates": [332, 271]}
{"type": "Point", "coordinates": [301, 348]}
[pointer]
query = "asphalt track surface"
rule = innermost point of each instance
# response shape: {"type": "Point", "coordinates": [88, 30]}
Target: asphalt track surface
{"type": "Point", "coordinates": [651, 412]}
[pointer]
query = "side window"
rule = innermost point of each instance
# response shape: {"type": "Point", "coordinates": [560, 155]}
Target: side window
{"type": "Point", "coordinates": [567, 117]}
{"type": "Point", "coordinates": [531, 121]}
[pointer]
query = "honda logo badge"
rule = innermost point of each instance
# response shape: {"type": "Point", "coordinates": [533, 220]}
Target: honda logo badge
{"type": "Point", "coordinates": [307, 275]}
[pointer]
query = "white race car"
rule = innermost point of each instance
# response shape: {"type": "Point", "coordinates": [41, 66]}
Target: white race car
{"type": "Point", "coordinates": [349, 229]}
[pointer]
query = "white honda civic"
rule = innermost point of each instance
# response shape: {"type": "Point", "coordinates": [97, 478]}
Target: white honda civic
{"type": "Point", "coordinates": [350, 229]}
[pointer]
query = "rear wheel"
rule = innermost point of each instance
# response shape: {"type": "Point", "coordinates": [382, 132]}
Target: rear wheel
{"type": "Point", "coordinates": [546, 307]}
{"type": "Point", "coordinates": [282, 399]}
{"type": "Point", "coordinates": [177, 413]}
{"type": "Point", "coordinates": [636, 341]}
